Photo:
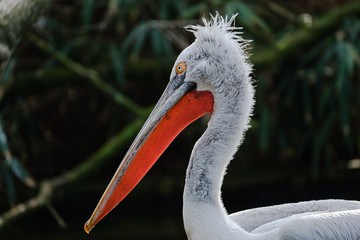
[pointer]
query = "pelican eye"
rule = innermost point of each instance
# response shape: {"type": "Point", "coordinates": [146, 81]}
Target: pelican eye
{"type": "Point", "coordinates": [180, 68]}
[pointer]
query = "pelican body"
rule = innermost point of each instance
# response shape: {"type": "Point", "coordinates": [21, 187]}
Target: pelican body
{"type": "Point", "coordinates": [212, 75]}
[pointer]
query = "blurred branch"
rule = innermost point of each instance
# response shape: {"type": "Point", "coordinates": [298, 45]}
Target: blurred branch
{"type": "Point", "coordinates": [89, 74]}
{"type": "Point", "coordinates": [10, 165]}
{"type": "Point", "coordinates": [107, 151]}
{"type": "Point", "coordinates": [33, 81]}
{"type": "Point", "coordinates": [90, 165]}
{"type": "Point", "coordinates": [170, 28]}
{"type": "Point", "coordinates": [307, 34]}
{"type": "Point", "coordinates": [56, 215]}
{"type": "Point", "coordinates": [283, 12]}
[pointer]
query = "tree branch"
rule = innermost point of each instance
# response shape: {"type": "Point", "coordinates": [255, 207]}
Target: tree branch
{"type": "Point", "coordinates": [50, 186]}
{"type": "Point", "coordinates": [91, 75]}
{"type": "Point", "coordinates": [289, 43]}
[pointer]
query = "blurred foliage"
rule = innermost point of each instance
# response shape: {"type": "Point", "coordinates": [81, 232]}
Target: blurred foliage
{"type": "Point", "coordinates": [307, 109]}
{"type": "Point", "coordinates": [11, 165]}
{"type": "Point", "coordinates": [318, 89]}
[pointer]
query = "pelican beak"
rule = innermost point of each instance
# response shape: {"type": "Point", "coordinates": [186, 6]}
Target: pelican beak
{"type": "Point", "coordinates": [179, 105]}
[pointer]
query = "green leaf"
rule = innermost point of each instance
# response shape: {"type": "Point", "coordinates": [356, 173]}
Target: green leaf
{"type": "Point", "coordinates": [264, 129]}
{"type": "Point", "coordinates": [307, 103]}
{"type": "Point", "coordinates": [87, 11]}
{"type": "Point", "coordinates": [345, 67]}
{"type": "Point", "coordinates": [349, 58]}
{"type": "Point", "coordinates": [118, 64]}
{"type": "Point", "coordinates": [9, 183]}
{"type": "Point", "coordinates": [326, 57]}
{"type": "Point", "coordinates": [247, 16]}
{"type": "Point", "coordinates": [344, 112]}
{"type": "Point", "coordinates": [4, 146]}
{"type": "Point", "coordinates": [168, 8]}
{"type": "Point", "coordinates": [20, 172]}
{"type": "Point", "coordinates": [161, 45]}
{"type": "Point", "coordinates": [167, 47]}
{"type": "Point", "coordinates": [341, 66]}
{"type": "Point", "coordinates": [136, 38]}
{"type": "Point", "coordinates": [8, 70]}
{"type": "Point", "coordinates": [156, 42]}
{"type": "Point", "coordinates": [325, 98]}
{"type": "Point", "coordinates": [352, 27]}
{"type": "Point", "coordinates": [346, 62]}
{"type": "Point", "coordinates": [194, 10]}
{"type": "Point", "coordinates": [140, 40]}
{"type": "Point", "coordinates": [322, 49]}
{"type": "Point", "coordinates": [319, 143]}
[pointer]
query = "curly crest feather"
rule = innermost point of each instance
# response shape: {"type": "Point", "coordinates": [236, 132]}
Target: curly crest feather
{"type": "Point", "coordinates": [220, 27]}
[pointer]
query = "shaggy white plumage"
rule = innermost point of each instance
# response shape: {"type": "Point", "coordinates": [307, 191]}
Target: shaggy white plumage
{"type": "Point", "coordinates": [217, 61]}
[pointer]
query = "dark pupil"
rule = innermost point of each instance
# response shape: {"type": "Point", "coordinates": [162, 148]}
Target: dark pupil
{"type": "Point", "coordinates": [179, 68]}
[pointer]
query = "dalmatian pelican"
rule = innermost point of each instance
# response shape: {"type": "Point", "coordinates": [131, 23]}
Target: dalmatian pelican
{"type": "Point", "coordinates": [213, 75]}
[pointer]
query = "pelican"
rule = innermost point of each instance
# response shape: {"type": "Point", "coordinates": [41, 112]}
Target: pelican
{"type": "Point", "coordinates": [213, 75]}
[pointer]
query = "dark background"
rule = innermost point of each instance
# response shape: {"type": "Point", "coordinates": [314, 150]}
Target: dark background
{"type": "Point", "coordinates": [57, 111]}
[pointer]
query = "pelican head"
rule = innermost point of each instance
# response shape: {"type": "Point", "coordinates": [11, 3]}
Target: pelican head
{"type": "Point", "coordinates": [211, 75]}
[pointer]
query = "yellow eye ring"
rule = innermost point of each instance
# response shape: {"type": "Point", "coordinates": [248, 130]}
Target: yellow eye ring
{"type": "Point", "coordinates": [180, 68]}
